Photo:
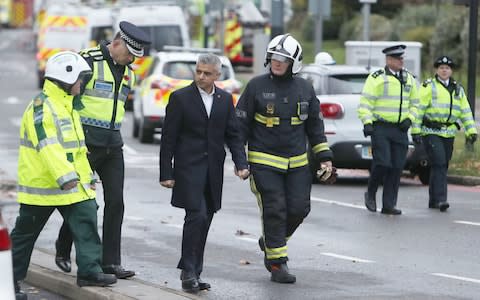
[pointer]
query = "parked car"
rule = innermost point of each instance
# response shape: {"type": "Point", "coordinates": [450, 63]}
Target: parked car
{"type": "Point", "coordinates": [338, 87]}
{"type": "Point", "coordinates": [6, 274]}
{"type": "Point", "coordinates": [170, 71]}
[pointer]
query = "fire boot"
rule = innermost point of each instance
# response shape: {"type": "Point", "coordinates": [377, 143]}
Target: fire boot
{"type": "Point", "coordinates": [281, 274]}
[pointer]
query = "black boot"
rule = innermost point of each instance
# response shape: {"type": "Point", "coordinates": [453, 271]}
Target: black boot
{"type": "Point", "coordinates": [189, 282]}
{"type": "Point", "coordinates": [19, 294]}
{"type": "Point", "coordinates": [261, 243]}
{"type": "Point", "coordinates": [62, 260]}
{"type": "Point", "coordinates": [97, 279]}
{"type": "Point", "coordinates": [443, 206]}
{"type": "Point", "coordinates": [281, 274]}
{"type": "Point", "coordinates": [118, 271]}
{"type": "Point", "coordinates": [370, 202]}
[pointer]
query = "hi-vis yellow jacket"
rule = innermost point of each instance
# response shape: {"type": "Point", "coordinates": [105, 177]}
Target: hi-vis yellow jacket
{"type": "Point", "coordinates": [387, 98]}
{"type": "Point", "coordinates": [99, 102]}
{"type": "Point", "coordinates": [52, 151]}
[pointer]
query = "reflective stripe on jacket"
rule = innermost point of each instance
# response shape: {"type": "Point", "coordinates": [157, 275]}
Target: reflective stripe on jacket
{"type": "Point", "coordinates": [52, 151]}
{"type": "Point", "coordinates": [439, 105]}
{"type": "Point", "coordinates": [99, 96]}
{"type": "Point", "coordinates": [384, 98]}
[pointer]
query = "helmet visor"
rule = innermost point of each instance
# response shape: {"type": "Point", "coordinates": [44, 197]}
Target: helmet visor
{"type": "Point", "coordinates": [280, 58]}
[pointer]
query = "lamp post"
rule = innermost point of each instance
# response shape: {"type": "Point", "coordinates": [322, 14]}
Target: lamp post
{"type": "Point", "coordinates": [366, 17]}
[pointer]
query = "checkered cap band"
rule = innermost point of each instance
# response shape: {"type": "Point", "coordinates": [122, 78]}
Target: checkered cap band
{"type": "Point", "coordinates": [134, 44]}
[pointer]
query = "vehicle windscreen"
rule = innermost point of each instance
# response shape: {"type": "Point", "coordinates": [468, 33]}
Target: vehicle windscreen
{"type": "Point", "coordinates": [100, 33]}
{"type": "Point", "coordinates": [336, 84]}
{"type": "Point", "coordinates": [186, 70]}
{"type": "Point", "coordinates": [163, 35]}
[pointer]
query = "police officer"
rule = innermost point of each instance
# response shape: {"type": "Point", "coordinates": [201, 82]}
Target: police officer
{"type": "Point", "coordinates": [388, 106]}
{"type": "Point", "coordinates": [279, 114]}
{"type": "Point", "coordinates": [443, 105]}
{"type": "Point", "coordinates": [54, 173]}
{"type": "Point", "coordinates": [102, 117]}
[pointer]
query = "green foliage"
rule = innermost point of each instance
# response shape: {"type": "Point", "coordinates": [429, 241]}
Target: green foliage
{"type": "Point", "coordinates": [380, 29]}
{"type": "Point", "coordinates": [464, 162]}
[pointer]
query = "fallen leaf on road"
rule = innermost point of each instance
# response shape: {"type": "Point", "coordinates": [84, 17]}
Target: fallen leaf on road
{"type": "Point", "coordinates": [244, 262]}
{"type": "Point", "coordinates": [241, 232]}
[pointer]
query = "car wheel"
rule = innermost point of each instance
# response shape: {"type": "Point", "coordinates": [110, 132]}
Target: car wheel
{"type": "Point", "coordinates": [135, 128]}
{"type": "Point", "coordinates": [424, 175]}
{"type": "Point", "coordinates": [145, 134]}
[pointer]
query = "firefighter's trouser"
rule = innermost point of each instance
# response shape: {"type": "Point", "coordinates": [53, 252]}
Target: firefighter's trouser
{"type": "Point", "coordinates": [439, 151]}
{"type": "Point", "coordinates": [389, 149]}
{"type": "Point", "coordinates": [284, 201]}
{"type": "Point", "coordinates": [81, 218]}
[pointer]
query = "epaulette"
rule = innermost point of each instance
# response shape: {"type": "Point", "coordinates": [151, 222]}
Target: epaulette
{"type": "Point", "coordinates": [406, 70]}
{"type": "Point", "coordinates": [427, 82]}
{"type": "Point", "coordinates": [378, 73]}
{"type": "Point", "coordinates": [39, 99]}
{"type": "Point", "coordinates": [92, 53]}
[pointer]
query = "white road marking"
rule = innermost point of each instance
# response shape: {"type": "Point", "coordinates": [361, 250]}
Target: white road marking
{"type": "Point", "coordinates": [129, 150]}
{"type": "Point", "coordinates": [244, 238]}
{"type": "Point", "coordinates": [16, 121]}
{"type": "Point", "coordinates": [12, 100]}
{"type": "Point", "coordinates": [337, 203]}
{"type": "Point", "coordinates": [349, 258]}
{"type": "Point", "coordinates": [466, 223]}
{"type": "Point", "coordinates": [456, 277]}
{"type": "Point", "coordinates": [173, 225]}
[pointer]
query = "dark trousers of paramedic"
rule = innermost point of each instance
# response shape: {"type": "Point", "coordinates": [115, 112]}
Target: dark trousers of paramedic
{"type": "Point", "coordinates": [439, 151]}
{"type": "Point", "coordinates": [284, 201]}
{"type": "Point", "coordinates": [82, 218]}
{"type": "Point", "coordinates": [389, 149]}
{"type": "Point", "coordinates": [195, 232]}
{"type": "Point", "coordinates": [110, 167]}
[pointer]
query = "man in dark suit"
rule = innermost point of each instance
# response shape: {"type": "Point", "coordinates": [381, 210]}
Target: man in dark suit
{"type": "Point", "coordinates": [200, 119]}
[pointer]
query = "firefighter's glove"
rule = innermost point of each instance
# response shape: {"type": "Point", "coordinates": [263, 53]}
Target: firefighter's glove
{"type": "Point", "coordinates": [327, 173]}
{"type": "Point", "coordinates": [367, 130]}
{"type": "Point", "coordinates": [417, 139]}
{"type": "Point", "coordinates": [471, 139]}
{"type": "Point", "coordinates": [405, 124]}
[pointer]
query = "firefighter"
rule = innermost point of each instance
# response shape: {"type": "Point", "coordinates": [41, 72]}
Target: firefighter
{"type": "Point", "coordinates": [279, 114]}
{"type": "Point", "coordinates": [388, 106]}
{"type": "Point", "coordinates": [443, 105]}
{"type": "Point", "coordinates": [54, 173]}
{"type": "Point", "coordinates": [102, 115]}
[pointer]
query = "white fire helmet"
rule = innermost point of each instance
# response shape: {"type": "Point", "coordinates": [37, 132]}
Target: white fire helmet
{"type": "Point", "coordinates": [66, 67]}
{"type": "Point", "coordinates": [324, 58]}
{"type": "Point", "coordinates": [285, 45]}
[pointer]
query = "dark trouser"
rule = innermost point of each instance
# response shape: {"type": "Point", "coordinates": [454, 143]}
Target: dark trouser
{"type": "Point", "coordinates": [389, 149]}
{"type": "Point", "coordinates": [195, 232]}
{"type": "Point", "coordinates": [284, 201]}
{"type": "Point", "coordinates": [439, 151]}
{"type": "Point", "coordinates": [82, 218]}
{"type": "Point", "coordinates": [109, 164]}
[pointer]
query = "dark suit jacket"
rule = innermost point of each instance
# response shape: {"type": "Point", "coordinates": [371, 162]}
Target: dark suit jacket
{"type": "Point", "coordinates": [196, 145]}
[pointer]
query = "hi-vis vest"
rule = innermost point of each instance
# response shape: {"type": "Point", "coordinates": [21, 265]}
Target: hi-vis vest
{"type": "Point", "coordinates": [438, 105]}
{"type": "Point", "coordinates": [385, 99]}
{"type": "Point", "coordinates": [52, 151]}
{"type": "Point", "coordinates": [99, 96]}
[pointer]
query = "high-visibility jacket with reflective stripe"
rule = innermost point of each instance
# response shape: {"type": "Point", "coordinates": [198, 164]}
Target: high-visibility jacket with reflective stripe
{"type": "Point", "coordinates": [384, 98]}
{"type": "Point", "coordinates": [52, 151]}
{"type": "Point", "coordinates": [443, 106]}
{"type": "Point", "coordinates": [277, 119]}
{"type": "Point", "coordinates": [102, 102]}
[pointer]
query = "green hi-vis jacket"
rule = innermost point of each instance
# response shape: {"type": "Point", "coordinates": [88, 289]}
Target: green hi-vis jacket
{"type": "Point", "coordinates": [387, 98]}
{"type": "Point", "coordinates": [52, 151]}
{"type": "Point", "coordinates": [444, 107]}
{"type": "Point", "coordinates": [102, 103]}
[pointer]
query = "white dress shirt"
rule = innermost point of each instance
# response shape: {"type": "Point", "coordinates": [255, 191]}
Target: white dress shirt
{"type": "Point", "coordinates": [207, 99]}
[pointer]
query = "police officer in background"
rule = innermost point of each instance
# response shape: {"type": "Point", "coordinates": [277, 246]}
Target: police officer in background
{"type": "Point", "coordinates": [388, 106]}
{"type": "Point", "coordinates": [443, 105]}
{"type": "Point", "coordinates": [102, 117]}
{"type": "Point", "coordinates": [54, 173]}
{"type": "Point", "coordinates": [279, 114]}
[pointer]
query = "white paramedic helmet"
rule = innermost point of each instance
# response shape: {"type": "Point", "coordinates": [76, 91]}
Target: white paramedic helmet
{"type": "Point", "coordinates": [66, 67]}
{"type": "Point", "coordinates": [286, 46]}
{"type": "Point", "coordinates": [324, 58]}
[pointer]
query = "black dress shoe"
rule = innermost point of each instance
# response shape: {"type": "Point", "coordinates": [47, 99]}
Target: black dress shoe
{"type": "Point", "coordinates": [443, 206]}
{"type": "Point", "coordinates": [118, 271]}
{"type": "Point", "coordinates": [97, 279]}
{"type": "Point", "coordinates": [19, 294]}
{"type": "Point", "coordinates": [391, 211]}
{"type": "Point", "coordinates": [433, 205]}
{"type": "Point", "coordinates": [370, 202]}
{"type": "Point", "coordinates": [261, 243]}
{"type": "Point", "coordinates": [63, 263]}
{"type": "Point", "coordinates": [281, 274]}
{"type": "Point", "coordinates": [189, 282]}
{"type": "Point", "coordinates": [202, 285]}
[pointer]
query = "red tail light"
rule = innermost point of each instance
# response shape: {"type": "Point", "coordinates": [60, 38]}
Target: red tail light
{"type": "Point", "coordinates": [5, 243]}
{"type": "Point", "coordinates": [155, 85]}
{"type": "Point", "coordinates": [332, 110]}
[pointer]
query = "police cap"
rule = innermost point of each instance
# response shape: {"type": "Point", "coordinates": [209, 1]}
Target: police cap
{"type": "Point", "coordinates": [443, 60]}
{"type": "Point", "coordinates": [134, 37]}
{"type": "Point", "coordinates": [395, 51]}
